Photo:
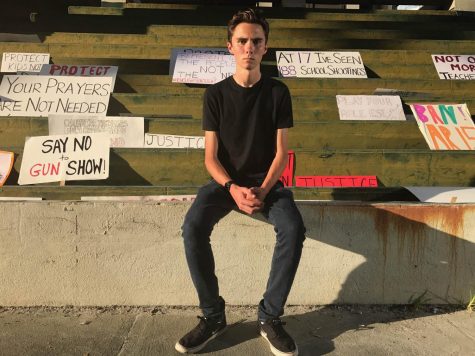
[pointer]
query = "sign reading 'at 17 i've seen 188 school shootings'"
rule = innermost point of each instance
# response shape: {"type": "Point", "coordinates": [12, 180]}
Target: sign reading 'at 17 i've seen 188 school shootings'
{"type": "Point", "coordinates": [32, 95]}
{"type": "Point", "coordinates": [312, 64]}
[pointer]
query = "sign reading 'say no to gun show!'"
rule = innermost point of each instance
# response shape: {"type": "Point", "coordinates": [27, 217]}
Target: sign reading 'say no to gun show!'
{"type": "Point", "coordinates": [25, 95]}
{"type": "Point", "coordinates": [305, 64]}
{"type": "Point", "coordinates": [27, 62]}
{"type": "Point", "coordinates": [65, 157]}
{"type": "Point", "coordinates": [445, 126]}
{"type": "Point", "coordinates": [459, 67]}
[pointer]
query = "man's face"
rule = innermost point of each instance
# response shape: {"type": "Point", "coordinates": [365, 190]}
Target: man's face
{"type": "Point", "coordinates": [248, 45]}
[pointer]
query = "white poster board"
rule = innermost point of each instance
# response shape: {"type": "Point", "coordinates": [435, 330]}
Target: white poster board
{"type": "Point", "coordinates": [445, 126]}
{"type": "Point", "coordinates": [444, 194]}
{"type": "Point", "coordinates": [195, 50]}
{"type": "Point", "coordinates": [31, 95]}
{"type": "Point", "coordinates": [65, 157]}
{"type": "Point", "coordinates": [26, 62]}
{"type": "Point", "coordinates": [6, 164]}
{"type": "Point", "coordinates": [173, 141]}
{"type": "Point", "coordinates": [124, 131]}
{"type": "Point", "coordinates": [313, 64]}
{"type": "Point", "coordinates": [459, 67]}
{"type": "Point", "coordinates": [80, 70]}
{"type": "Point", "coordinates": [370, 107]}
{"type": "Point", "coordinates": [203, 68]}
{"type": "Point", "coordinates": [158, 198]}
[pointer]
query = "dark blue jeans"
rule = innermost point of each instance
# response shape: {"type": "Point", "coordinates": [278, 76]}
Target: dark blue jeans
{"type": "Point", "coordinates": [212, 203]}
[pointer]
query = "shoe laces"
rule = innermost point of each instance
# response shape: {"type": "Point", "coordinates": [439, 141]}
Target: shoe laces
{"type": "Point", "coordinates": [277, 325]}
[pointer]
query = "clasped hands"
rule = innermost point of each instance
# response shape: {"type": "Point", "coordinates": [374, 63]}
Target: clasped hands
{"type": "Point", "coordinates": [248, 200]}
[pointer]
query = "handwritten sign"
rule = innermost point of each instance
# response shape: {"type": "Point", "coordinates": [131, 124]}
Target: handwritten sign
{"type": "Point", "coordinates": [173, 141]}
{"type": "Point", "coordinates": [158, 198]}
{"type": "Point", "coordinates": [28, 62]}
{"type": "Point", "coordinates": [287, 177]}
{"type": "Point", "coordinates": [203, 68]}
{"type": "Point", "coordinates": [454, 66]}
{"type": "Point", "coordinates": [124, 131]}
{"type": "Point", "coordinates": [445, 126]}
{"type": "Point", "coordinates": [306, 64]}
{"type": "Point", "coordinates": [6, 164]}
{"type": "Point", "coordinates": [80, 71]}
{"type": "Point", "coordinates": [370, 107]}
{"type": "Point", "coordinates": [196, 51]}
{"type": "Point", "coordinates": [444, 194]}
{"type": "Point", "coordinates": [336, 181]}
{"type": "Point", "coordinates": [43, 95]}
{"type": "Point", "coordinates": [65, 157]}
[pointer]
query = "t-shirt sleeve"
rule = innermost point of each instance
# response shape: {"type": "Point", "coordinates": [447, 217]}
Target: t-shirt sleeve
{"type": "Point", "coordinates": [210, 111]}
{"type": "Point", "coordinates": [285, 117]}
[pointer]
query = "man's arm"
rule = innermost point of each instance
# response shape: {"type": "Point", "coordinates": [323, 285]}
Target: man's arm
{"type": "Point", "coordinates": [277, 166]}
{"type": "Point", "coordinates": [245, 199]}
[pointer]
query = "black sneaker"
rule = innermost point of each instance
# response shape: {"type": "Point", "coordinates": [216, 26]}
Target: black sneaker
{"type": "Point", "coordinates": [281, 343]}
{"type": "Point", "coordinates": [199, 336]}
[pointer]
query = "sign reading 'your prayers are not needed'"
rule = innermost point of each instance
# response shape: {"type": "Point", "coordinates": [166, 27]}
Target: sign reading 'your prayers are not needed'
{"type": "Point", "coordinates": [65, 157]}
{"type": "Point", "coordinates": [312, 64]}
{"type": "Point", "coordinates": [22, 95]}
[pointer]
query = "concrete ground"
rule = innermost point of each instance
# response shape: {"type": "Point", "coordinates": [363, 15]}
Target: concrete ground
{"type": "Point", "coordinates": [332, 330]}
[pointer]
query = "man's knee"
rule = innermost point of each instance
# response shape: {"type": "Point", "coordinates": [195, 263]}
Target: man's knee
{"type": "Point", "coordinates": [292, 231]}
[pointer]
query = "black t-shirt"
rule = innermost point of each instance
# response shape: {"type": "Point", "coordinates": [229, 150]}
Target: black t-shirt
{"type": "Point", "coordinates": [246, 120]}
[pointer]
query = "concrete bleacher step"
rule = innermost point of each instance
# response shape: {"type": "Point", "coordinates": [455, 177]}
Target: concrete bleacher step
{"type": "Point", "coordinates": [75, 192]}
{"type": "Point", "coordinates": [309, 136]}
{"type": "Point", "coordinates": [393, 167]}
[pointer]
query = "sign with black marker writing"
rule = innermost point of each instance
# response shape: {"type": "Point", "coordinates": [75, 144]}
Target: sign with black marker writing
{"type": "Point", "coordinates": [196, 51]}
{"type": "Point", "coordinates": [203, 68]}
{"type": "Point", "coordinates": [314, 64]}
{"type": "Point", "coordinates": [124, 131]}
{"type": "Point", "coordinates": [22, 95]}
{"type": "Point", "coordinates": [459, 67]}
{"type": "Point", "coordinates": [370, 107]}
{"type": "Point", "coordinates": [65, 157]}
{"type": "Point", "coordinates": [173, 141]}
{"type": "Point", "coordinates": [23, 62]}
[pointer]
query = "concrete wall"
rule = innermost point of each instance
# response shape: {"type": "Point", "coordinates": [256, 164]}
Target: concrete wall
{"type": "Point", "coordinates": [86, 253]}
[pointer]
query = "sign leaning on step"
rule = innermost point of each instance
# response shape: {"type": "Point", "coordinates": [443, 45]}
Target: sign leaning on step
{"type": "Point", "coordinates": [6, 164]}
{"type": "Point", "coordinates": [315, 64]}
{"type": "Point", "coordinates": [445, 126]}
{"type": "Point", "coordinates": [23, 62]}
{"type": "Point", "coordinates": [458, 67]}
{"type": "Point", "coordinates": [65, 157]}
{"type": "Point", "coordinates": [203, 68]}
{"type": "Point", "coordinates": [124, 131]}
{"type": "Point", "coordinates": [25, 95]}
{"type": "Point", "coordinates": [370, 107]}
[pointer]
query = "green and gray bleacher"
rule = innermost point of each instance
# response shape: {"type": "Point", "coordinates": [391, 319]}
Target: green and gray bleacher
{"type": "Point", "coordinates": [396, 48]}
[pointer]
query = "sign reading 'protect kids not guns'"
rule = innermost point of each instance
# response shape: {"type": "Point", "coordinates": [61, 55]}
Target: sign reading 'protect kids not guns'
{"type": "Point", "coordinates": [445, 126]}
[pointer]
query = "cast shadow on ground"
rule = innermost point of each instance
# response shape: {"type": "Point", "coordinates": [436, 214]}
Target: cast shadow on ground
{"type": "Point", "coordinates": [412, 256]}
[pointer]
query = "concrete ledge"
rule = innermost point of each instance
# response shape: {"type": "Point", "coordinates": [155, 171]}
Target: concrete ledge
{"type": "Point", "coordinates": [84, 253]}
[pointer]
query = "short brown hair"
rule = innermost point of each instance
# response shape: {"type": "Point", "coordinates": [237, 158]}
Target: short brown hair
{"type": "Point", "coordinates": [247, 16]}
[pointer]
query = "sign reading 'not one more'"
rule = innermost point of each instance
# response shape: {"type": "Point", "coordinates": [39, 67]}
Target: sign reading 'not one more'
{"type": "Point", "coordinates": [65, 157]}
{"type": "Point", "coordinates": [312, 64]}
{"type": "Point", "coordinates": [203, 68]}
{"type": "Point", "coordinates": [27, 62]}
{"type": "Point", "coordinates": [459, 67]}
{"type": "Point", "coordinates": [24, 95]}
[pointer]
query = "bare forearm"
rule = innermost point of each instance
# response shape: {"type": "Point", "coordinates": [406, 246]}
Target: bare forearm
{"type": "Point", "coordinates": [275, 171]}
{"type": "Point", "coordinates": [216, 170]}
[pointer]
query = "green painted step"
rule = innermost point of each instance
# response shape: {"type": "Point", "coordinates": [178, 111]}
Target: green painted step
{"type": "Point", "coordinates": [308, 136]}
{"type": "Point", "coordinates": [392, 167]}
{"type": "Point", "coordinates": [71, 192]}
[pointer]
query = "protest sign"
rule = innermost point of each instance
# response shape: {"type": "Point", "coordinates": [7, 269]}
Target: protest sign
{"type": "Point", "coordinates": [370, 107]}
{"type": "Point", "coordinates": [27, 62]}
{"type": "Point", "coordinates": [158, 198]}
{"type": "Point", "coordinates": [287, 177]}
{"type": "Point", "coordinates": [203, 68]}
{"type": "Point", "coordinates": [65, 157]}
{"type": "Point", "coordinates": [312, 64]}
{"type": "Point", "coordinates": [43, 95]}
{"type": "Point", "coordinates": [6, 164]}
{"type": "Point", "coordinates": [173, 141]}
{"type": "Point", "coordinates": [196, 51]}
{"type": "Point", "coordinates": [336, 181]}
{"type": "Point", "coordinates": [444, 194]}
{"type": "Point", "coordinates": [124, 131]}
{"type": "Point", "coordinates": [80, 71]}
{"type": "Point", "coordinates": [445, 126]}
{"type": "Point", "coordinates": [461, 67]}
